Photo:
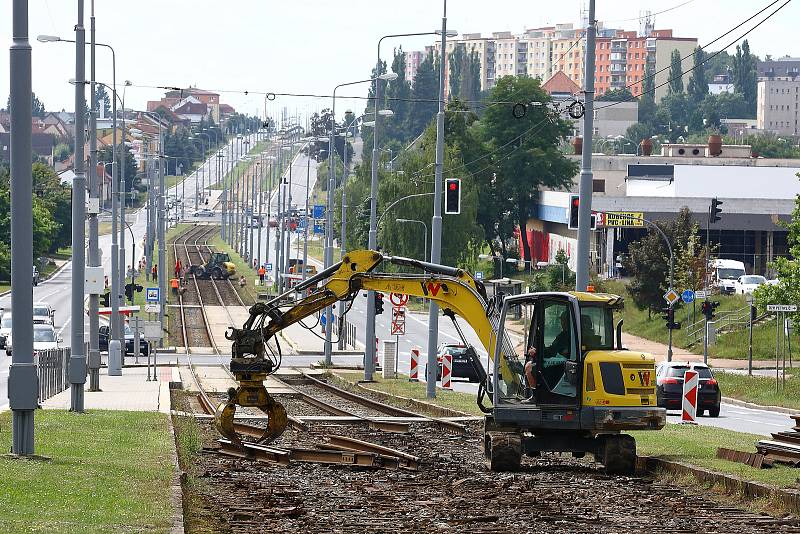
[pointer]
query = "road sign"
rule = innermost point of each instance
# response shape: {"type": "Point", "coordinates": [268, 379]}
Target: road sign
{"type": "Point", "coordinates": [318, 211]}
{"type": "Point", "coordinates": [152, 308]}
{"type": "Point", "coordinates": [153, 294]}
{"type": "Point", "coordinates": [699, 295]}
{"type": "Point", "coordinates": [152, 330]}
{"type": "Point", "coordinates": [623, 219]}
{"type": "Point", "coordinates": [689, 404]}
{"type": "Point", "coordinates": [671, 297]}
{"type": "Point", "coordinates": [269, 267]}
{"type": "Point", "coordinates": [782, 307]}
{"type": "Point", "coordinates": [398, 321]}
{"type": "Point", "coordinates": [478, 275]}
{"type": "Point", "coordinates": [398, 299]}
{"type": "Point", "coordinates": [319, 229]}
{"type": "Point", "coordinates": [687, 296]}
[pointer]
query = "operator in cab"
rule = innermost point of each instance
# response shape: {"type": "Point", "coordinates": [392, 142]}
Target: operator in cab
{"type": "Point", "coordinates": [560, 348]}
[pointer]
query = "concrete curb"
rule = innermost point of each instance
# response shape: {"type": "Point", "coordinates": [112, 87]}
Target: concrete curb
{"type": "Point", "coordinates": [732, 484]}
{"type": "Point", "coordinates": [176, 488]}
{"type": "Point", "coordinates": [753, 406]}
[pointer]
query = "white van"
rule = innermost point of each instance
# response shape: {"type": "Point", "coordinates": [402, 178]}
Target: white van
{"type": "Point", "coordinates": [724, 274]}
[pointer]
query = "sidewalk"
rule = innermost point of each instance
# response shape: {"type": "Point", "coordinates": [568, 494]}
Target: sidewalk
{"type": "Point", "coordinates": [659, 350]}
{"type": "Point", "coordinates": [129, 392]}
{"type": "Point", "coordinates": [303, 341]}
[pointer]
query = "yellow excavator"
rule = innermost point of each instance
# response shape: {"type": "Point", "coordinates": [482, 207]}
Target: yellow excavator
{"type": "Point", "coordinates": [556, 377]}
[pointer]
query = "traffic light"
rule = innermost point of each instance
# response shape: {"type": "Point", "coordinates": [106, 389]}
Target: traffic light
{"type": "Point", "coordinates": [669, 316]}
{"type": "Point", "coordinates": [574, 204]}
{"type": "Point", "coordinates": [105, 299]}
{"type": "Point", "coordinates": [452, 196]}
{"type": "Point", "coordinates": [715, 211]}
{"type": "Point", "coordinates": [130, 288]}
{"type": "Point", "coordinates": [378, 303]}
{"type": "Point", "coordinates": [708, 308]}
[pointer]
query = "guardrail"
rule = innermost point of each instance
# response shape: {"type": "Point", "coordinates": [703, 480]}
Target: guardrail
{"type": "Point", "coordinates": [52, 368]}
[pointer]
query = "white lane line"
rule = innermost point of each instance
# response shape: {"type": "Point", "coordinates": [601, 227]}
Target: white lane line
{"type": "Point", "coordinates": [759, 422]}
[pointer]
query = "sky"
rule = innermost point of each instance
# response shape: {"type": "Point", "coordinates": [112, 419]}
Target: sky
{"type": "Point", "coordinates": [310, 46]}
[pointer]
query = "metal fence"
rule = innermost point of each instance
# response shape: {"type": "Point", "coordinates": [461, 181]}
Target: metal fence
{"type": "Point", "coordinates": [52, 366]}
{"type": "Point", "coordinates": [348, 333]}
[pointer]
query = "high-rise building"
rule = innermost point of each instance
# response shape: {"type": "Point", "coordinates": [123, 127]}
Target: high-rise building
{"type": "Point", "coordinates": [413, 59]}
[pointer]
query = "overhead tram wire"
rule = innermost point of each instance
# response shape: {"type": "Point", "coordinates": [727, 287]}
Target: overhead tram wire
{"type": "Point", "coordinates": [667, 10]}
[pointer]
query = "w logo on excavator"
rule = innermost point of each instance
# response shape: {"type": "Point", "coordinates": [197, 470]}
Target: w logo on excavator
{"type": "Point", "coordinates": [430, 288]}
{"type": "Point", "coordinates": [644, 378]}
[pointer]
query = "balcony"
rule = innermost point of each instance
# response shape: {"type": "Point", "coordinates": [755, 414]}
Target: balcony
{"type": "Point", "coordinates": [617, 56]}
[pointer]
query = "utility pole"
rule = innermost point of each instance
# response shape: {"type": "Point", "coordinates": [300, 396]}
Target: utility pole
{"type": "Point", "coordinates": [94, 249]}
{"type": "Point", "coordinates": [585, 181]}
{"type": "Point", "coordinates": [436, 223]}
{"type": "Point", "coordinates": [77, 360]}
{"type": "Point", "coordinates": [22, 375]}
{"type": "Point", "coordinates": [162, 247]}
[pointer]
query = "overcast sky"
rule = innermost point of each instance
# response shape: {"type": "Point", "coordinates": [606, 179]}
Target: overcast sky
{"type": "Point", "coordinates": [309, 46]}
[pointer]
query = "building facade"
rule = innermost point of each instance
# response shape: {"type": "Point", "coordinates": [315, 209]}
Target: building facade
{"type": "Point", "coordinates": [777, 106]}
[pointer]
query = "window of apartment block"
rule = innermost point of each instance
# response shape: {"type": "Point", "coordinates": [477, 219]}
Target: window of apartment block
{"type": "Point", "coordinates": [598, 186]}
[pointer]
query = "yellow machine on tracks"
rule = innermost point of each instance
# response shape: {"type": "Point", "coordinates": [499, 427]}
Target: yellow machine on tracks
{"type": "Point", "coordinates": [556, 375]}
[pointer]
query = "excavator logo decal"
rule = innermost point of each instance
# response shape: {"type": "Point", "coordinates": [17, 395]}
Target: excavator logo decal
{"type": "Point", "coordinates": [644, 378]}
{"type": "Point", "coordinates": [430, 288]}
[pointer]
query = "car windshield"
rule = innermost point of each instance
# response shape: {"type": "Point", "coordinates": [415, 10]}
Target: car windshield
{"type": "Point", "coordinates": [729, 274]}
{"type": "Point", "coordinates": [41, 310]}
{"type": "Point", "coordinates": [678, 371]}
{"type": "Point", "coordinates": [44, 335]}
{"type": "Point", "coordinates": [6, 323]}
{"type": "Point", "coordinates": [756, 280]}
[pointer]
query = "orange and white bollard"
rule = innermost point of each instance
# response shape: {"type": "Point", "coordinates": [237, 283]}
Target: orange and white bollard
{"type": "Point", "coordinates": [447, 370]}
{"type": "Point", "coordinates": [413, 374]}
{"type": "Point", "coordinates": [691, 384]}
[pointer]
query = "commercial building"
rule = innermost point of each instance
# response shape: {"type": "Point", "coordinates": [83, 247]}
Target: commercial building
{"type": "Point", "coordinates": [758, 194]}
{"type": "Point", "coordinates": [777, 105]}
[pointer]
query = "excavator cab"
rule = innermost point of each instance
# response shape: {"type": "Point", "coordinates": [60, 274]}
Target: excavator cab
{"type": "Point", "coordinates": [568, 385]}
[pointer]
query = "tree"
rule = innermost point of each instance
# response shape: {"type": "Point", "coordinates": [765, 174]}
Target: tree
{"type": "Point", "coordinates": [523, 161]}
{"type": "Point", "coordinates": [745, 78]}
{"type": "Point", "coordinates": [471, 79]}
{"type": "Point", "coordinates": [103, 100]}
{"type": "Point", "coordinates": [131, 168]}
{"type": "Point", "coordinates": [455, 63]}
{"type": "Point", "coordinates": [424, 95]}
{"type": "Point", "coordinates": [398, 94]}
{"type": "Point", "coordinates": [37, 107]}
{"type": "Point", "coordinates": [56, 199]}
{"type": "Point", "coordinates": [698, 83]}
{"type": "Point", "coordinates": [616, 95]}
{"type": "Point", "coordinates": [675, 74]}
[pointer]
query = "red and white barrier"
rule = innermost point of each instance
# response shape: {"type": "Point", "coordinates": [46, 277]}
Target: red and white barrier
{"type": "Point", "coordinates": [377, 362]}
{"type": "Point", "coordinates": [447, 370]}
{"type": "Point", "coordinates": [689, 404]}
{"type": "Point", "coordinates": [413, 374]}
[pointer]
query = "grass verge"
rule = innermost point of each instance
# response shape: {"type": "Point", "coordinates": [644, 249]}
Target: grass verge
{"type": "Point", "coordinates": [109, 471]}
{"type": "Point", "coordinates": [697, 445]}
{"type": "Point", "coordinates": [761, 389]}
{"type": "Point", "coordinates": [5, 287]}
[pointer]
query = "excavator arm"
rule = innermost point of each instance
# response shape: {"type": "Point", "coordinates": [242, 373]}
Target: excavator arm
{"type": "Point", "coordinates": [454, 290]}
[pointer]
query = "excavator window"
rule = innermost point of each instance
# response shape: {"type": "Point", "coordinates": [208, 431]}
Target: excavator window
{"type": "Point", "coordinates": [557, 349]}
{"type": "Point", "coordinates": [597, 328]}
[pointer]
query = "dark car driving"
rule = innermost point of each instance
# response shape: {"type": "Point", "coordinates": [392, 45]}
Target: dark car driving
{"type": "Point", "coordinates": [105, 334]}
{"type": "Point", "coordinates": [462, 365]}
{"type": "Point", "coordinates": [669, 387]}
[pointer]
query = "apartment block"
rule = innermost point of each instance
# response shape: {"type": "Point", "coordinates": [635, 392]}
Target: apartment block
{"type": "Point", "coordinates": [777, 106]}
{"type": "Point", "coordinates": [413, 59]}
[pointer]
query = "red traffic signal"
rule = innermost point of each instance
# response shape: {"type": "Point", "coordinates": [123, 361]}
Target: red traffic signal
{"type": "Point", "coordinates": [452, 196]}
{"type": "Point", "coordinates": [574, 204]}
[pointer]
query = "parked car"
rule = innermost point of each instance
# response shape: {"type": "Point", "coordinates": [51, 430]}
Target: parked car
{"type": "Point", "coordinates": [669, 387]}
{"type": "Point", "coordinates": [43, 313]}
{"type": "Point", "coordinates": [773, 282]}
{"type": "Point", "coordinates": [44, 338]}
{"type": "Point", "coordinates": [5, 328]}
{"type": "Point", "coordinates": [462, 364]}
{"type": "Point", "coordinates": [748, 283]}
{"type": "Point", "coordinates": [203, 212]}
{"type": "Point", "coordinates": [105, 334]}
{"type": "Point", "coordinates": [35, 276]}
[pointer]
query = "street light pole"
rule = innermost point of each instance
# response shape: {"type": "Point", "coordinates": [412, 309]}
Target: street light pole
{"type": "Point", "coordinates": [22, 375]}
{"type": "Point", "coordinates": [94, 249]}
{"type": "Point", "coordinates": [585, 180]}
{"type": "Point", "coordinates": [436, 223]}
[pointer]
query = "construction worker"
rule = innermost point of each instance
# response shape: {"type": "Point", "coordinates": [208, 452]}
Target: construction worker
{"type": "Point", "coordinates": [242, 281]}
{"type": "Point", "coordinates": [174, 284]}
{"type": "Point", "coordinates": [262, 272]}
{"type": "Point", "coordinates": [178, 268]}
{"type": "Point", "coordinates": [154, 272]}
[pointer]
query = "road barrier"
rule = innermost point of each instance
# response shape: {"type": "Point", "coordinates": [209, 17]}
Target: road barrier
{"type": "Point", "coordinates": [691, 384]}
{"type": "Point", "coordinates": [413, 374]}
{"type": "Point", "coordinates": [52, 367]}
{"type": "Point", "coordinates": [447, 371]}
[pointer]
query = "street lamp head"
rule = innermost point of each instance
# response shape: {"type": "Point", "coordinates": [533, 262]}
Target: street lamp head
{"type": "Point", "coordinates": [73, 82]}
{"type": "Point", "coordinates": [128, 83]}
{"type": "Point", "coordinates": [48, 38]}
{"type": "Point", "coordinates": [389, 76]}
{"type": "Point", "coordinates": [368, 124]}
{"type": "Point", "coordinates": [448, 33]}
{"type": "Point", "coordinates": [386, 113]}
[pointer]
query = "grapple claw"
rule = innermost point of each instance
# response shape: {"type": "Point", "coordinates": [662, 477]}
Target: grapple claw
{"type": "Point", "coordinates": [276, 422]}
{"type": "Point", "coordinates": [251, 393]}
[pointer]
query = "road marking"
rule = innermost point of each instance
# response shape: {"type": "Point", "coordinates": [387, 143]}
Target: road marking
{"type": "Point", "coordinates": [440, 331]}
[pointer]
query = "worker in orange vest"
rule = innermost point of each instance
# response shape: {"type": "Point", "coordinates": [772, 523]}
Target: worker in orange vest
{"type": "Point", "coordinates": [262, 272]}
{"type": "Point", "coordinates": [154, 271]}
{"type": "Point", "coordinates": [174, 284]}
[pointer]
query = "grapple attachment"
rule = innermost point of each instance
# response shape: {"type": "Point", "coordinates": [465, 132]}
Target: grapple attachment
{"type": "Point", "coordinates": [251, 393]}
